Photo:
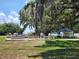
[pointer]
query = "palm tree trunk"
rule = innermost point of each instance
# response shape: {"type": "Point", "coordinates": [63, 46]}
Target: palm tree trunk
{"type": "Point", "coordinates": [36, 28]}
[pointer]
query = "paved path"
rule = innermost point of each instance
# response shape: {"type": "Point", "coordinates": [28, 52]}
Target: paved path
{"type": "Point", "coordinates": [40, 39]}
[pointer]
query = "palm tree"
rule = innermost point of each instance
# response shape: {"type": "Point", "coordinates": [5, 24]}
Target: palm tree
{"type": "Point", "coordinates": [32, 14]}
{"type": "Point", "coordinates": [26, 15]}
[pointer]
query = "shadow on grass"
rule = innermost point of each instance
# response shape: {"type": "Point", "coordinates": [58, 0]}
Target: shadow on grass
{"type": "Point", "coordinates": [61, 54]}
{"type": "Point", "coordinates": [70, 50]}
{"type": "Point", "coordinates": [59, 43]}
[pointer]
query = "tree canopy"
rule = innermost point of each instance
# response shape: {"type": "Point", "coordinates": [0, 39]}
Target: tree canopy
{"type": "Point", "coordinates": [9, 28]}
{"type": "Point", "coordinates": [50, 15]}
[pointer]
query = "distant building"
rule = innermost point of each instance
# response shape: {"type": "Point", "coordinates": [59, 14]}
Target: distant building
{"type": "Point", "coordinates": [65, 32]}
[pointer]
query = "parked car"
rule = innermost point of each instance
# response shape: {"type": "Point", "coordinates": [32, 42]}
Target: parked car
{"type": "Point", "coordinates": [53, 34]}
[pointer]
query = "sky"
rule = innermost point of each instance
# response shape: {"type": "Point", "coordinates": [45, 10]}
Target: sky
{"type": "Point", "coordinates": [9, 10]}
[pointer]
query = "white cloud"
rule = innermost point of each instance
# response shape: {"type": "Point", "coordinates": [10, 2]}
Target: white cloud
{"type": "Point", "coordinates": [12, 17]}
{"type": "Point", "coordinates": [14, 14]}
{"type": "Point", "coordinates": [3, 17]}
{"type": "Point", "coordinates": [2, 14]}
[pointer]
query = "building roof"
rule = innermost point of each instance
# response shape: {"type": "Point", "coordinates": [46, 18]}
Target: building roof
{"type": "Point", "coordinates": [65, 30]}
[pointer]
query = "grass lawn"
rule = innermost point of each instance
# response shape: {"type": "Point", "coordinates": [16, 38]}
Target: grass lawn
{"type": "Point", "coordinates": [50, 45]}
{"type": "Point", "coordinates": [2, 38]}
{"type": "Point", "coordinates": [57, 49]}
{"type": "Point", "coordinates": [49, 49]}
